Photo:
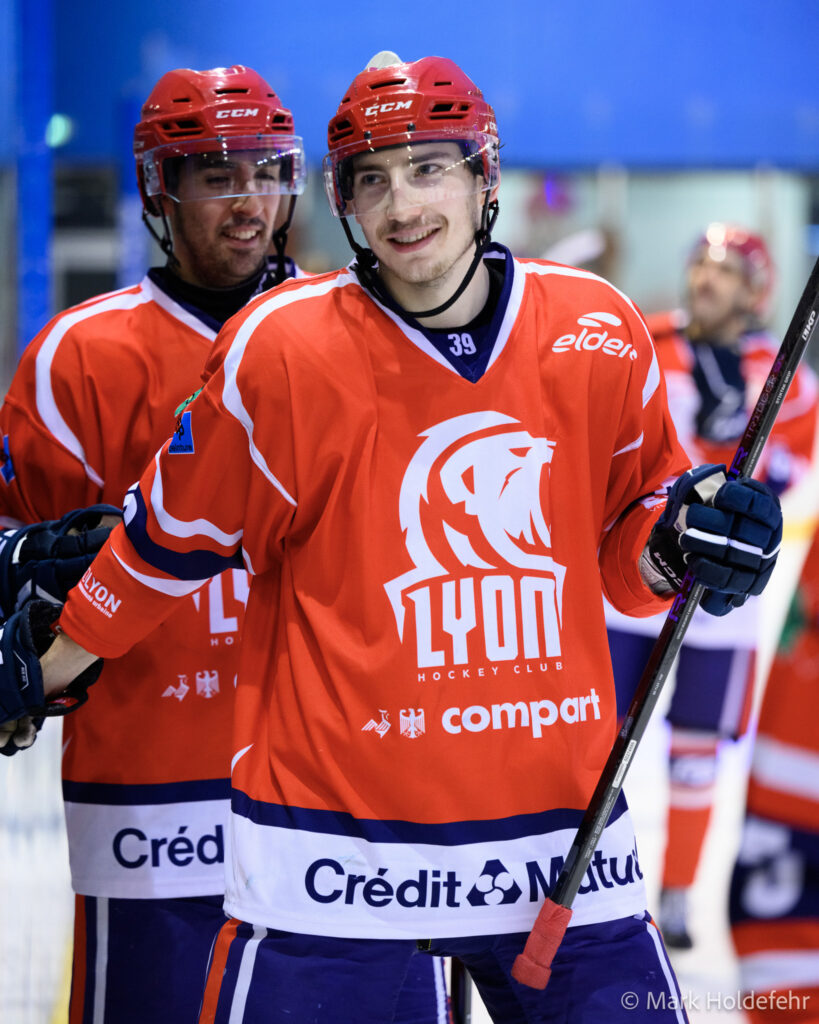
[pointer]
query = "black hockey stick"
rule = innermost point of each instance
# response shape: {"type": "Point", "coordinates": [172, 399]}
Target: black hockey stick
{"type": "Point", "coordinates": [533, 966]}
{"type": "Point", "coordinates": [460, 987]}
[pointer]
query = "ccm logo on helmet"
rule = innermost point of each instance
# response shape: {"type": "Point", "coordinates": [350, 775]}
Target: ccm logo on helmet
{"type": "Point", "coordinates": [383, 108]}
{"type": "Point", "coordinates": [238, 112]}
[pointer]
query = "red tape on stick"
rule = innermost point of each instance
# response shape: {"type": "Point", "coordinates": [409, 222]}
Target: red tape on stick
{"type": "Point", "coordinates": [534, 965]}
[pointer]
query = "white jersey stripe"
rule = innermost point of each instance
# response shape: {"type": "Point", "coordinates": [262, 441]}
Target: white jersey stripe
{"type": "Point", "coordinates": [783, 767]}
{"type": "Point", "coordinates": [631, 447]}
{"type": "Point", "coordinates": [47, 408]}
{"type": "Point", "coordinates": [173, 588]}
{"type": "Point", "coordinates": [183, 527]}
{"type": "Point", "coordinates": [231, 396]}
{"type": "Point", "coordinates": [178, 312]}
{"type": "Point", "coordinates": [764, 972]}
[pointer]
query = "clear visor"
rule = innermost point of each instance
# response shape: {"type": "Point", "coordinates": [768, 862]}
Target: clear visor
{"type": "Point", "coordinates": [226, 167]}
{"type": "Point", "coordinates": [431, 168]}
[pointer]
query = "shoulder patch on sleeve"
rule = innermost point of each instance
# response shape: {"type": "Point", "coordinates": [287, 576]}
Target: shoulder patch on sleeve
{"type": "Point", "coordinates": [182, 443]}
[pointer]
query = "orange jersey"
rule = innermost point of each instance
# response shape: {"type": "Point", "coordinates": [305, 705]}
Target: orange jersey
{"type": "Point", "coordinates": [425, 697]}
{"type": "Point", "coordinates": [146, 764]}
{"type": "Point", "coordinates": [775, 889]}
{"type": "Point", "coordinates": [784, 780]}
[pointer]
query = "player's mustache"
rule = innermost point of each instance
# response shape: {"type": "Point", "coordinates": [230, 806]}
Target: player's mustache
{"type": "Point", "coordinates": [419, 225]}
{"type": "Point", "coordinates": [245, 222]}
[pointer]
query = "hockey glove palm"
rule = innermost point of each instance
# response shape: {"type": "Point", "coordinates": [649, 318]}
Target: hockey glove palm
{"type": "Point", "coordinates": [727, 532]}
{"type": "Point", "coordinates": [23, 640]}
{"type": "Point", "coordinates": [46, 559]}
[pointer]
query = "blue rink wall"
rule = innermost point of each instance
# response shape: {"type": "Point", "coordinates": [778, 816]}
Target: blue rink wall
{"type": "Point", "coordinates": [645, 83]}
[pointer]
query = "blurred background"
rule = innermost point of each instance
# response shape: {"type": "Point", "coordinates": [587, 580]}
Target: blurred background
{"type": "Point", "coordinates": [626, 128]}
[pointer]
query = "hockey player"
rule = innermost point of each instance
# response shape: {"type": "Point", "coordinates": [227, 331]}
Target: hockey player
{"type": "Point", "coordinates": [146, 766]}
{"type": "Point", "coordinates": [715, 357]}
{"type": "Point", "coordinates": [774, 904]}
{"type": "Point", "coordinates": [429, 462]}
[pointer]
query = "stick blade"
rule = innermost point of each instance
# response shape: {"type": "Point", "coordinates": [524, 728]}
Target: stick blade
{"type": "Point", "coordinates": [533, 967]}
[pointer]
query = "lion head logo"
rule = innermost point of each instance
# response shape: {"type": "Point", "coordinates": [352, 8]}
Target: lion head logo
{"type": "Point", "coordinates": [471, 497]}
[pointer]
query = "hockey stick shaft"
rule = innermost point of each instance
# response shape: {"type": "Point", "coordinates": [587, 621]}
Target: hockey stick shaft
{"type": "Point", "coordinates": [556, 911]}
{"type": "Point", "coordinates": [460, 985]}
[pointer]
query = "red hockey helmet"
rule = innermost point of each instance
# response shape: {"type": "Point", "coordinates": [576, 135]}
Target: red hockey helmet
{"type": "Point", "coordinates": [395, 104]}
{"type": "Point", "coordinates": [719, 238]}
{"type": "Point", "coordinates": [216, 113]}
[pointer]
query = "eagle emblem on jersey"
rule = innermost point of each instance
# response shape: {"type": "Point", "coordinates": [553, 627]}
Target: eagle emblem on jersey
{"type": "Point", "coordinates": [411, 723]}
{"type": "Point", "coordinates": [473, 508]}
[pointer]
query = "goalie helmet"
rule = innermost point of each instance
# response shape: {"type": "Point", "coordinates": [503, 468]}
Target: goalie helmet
{"type": "Point", "coordinates": [392, 103]}
{"type": "Point", "coordinates": [719, 238]}
{"type": "Point", "coordinates": [216, 113]}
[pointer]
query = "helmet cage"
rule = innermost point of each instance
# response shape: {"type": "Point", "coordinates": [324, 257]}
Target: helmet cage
{"type": "Point", "coordinates": [162, 167]}
{"type": "Point", "coordinates": [430, 178]}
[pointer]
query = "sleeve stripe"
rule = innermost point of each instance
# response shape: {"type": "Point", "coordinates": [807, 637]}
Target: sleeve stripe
{"type": "Point", "coordinates": [231, 395]}
{"type": "Point", "coordinates": [631, 447]}
{"type": "Point", "coordinates": [173, 588]}
{"type": "Point", "coordinates": [183, 565]}
{"type": "Point", "coordinates": [784, 767]}
{"type": "Point", "coordinates": [185, 528]}
{"type": "Point", "coordinates": [46, 404]}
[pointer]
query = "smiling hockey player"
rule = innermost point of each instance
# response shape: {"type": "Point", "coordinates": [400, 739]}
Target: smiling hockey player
{"type": "Point", "coordinates": [430, 489]}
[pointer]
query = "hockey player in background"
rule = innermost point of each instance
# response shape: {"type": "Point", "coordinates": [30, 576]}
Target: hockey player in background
{"type": "Point", "coordinates": [715, 357]}
{"type": "Point", "coordinates": [774, 904]}
{"type": "Point", "coordinates": [146, 767]}
{"type": "Point", "coordinates": [429, 475]}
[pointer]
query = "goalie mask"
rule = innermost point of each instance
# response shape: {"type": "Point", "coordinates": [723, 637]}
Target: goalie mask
{"type": "Point", "coordinates": [433, 122]}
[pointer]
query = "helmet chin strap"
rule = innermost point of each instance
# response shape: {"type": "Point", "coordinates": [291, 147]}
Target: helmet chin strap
{"type": "Point", "coordinates": [279, 239]}
{"type": "Point", "coordinates": [164, 240]}
{"type": "Point", "coordinates": [367, 263]}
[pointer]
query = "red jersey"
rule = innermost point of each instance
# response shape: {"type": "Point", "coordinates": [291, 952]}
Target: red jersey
{"type": "Point", "coordinates": [775, 888]}
{"type": "Point", "coordinates": [425, 698]}
{"type": "Point", "coordinates": [146, 763]}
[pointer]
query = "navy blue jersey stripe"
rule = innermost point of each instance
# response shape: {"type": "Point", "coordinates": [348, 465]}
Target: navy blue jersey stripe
{"type": "Point", "coordinates": [189, 565]}
{"type": "Point", "coordinates": [123, 795]}
{"type": "Point", "coordinates": [455, 833]}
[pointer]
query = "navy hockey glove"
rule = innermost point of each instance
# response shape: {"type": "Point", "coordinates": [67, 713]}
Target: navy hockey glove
{"type": "Point", "coordinates": [46, 559]}
{"type": "Point", "coordinates": [728, 532]}
{"type": "Point", "coordinates": [23, 640]}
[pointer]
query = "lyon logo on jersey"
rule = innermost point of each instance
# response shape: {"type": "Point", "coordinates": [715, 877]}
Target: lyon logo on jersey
{"type": "Point", "coordinates": [473, 509]}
